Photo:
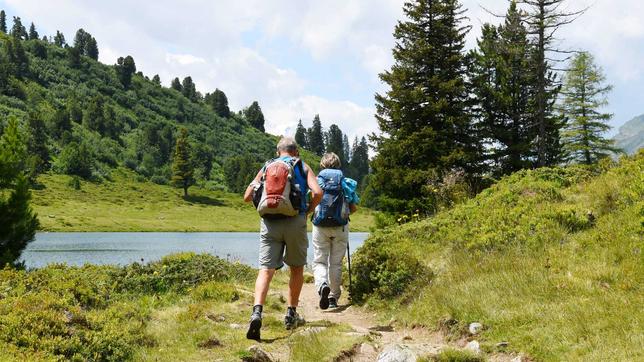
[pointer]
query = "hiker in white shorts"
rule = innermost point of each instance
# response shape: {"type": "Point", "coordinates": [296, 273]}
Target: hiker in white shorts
{"type": "Point", "coordinates": [331, 229]}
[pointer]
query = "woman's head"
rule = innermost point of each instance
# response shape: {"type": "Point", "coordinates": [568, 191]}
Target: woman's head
{"type": "Point", "coordinates": [330, 160]}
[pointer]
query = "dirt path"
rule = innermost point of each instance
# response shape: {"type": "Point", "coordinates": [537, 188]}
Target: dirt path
{"type": "Point", "coordinates": [419, 340]}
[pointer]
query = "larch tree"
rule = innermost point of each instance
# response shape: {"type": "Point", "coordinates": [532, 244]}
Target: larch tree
{"type": "Point", "coordinates": [426, 129]}
{"type": "Point", "coordinates": [182, 167]}
{"type": "Point", "coordinates": [584, 94]}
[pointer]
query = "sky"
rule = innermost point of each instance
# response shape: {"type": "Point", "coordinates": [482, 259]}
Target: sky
{"type": "Point", "coordinates": [299, 58]}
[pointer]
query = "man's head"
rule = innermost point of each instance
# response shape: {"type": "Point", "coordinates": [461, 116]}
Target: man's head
{"type": "Point", "coordinates": [287, 146]}
{"type": "Point", "coordinates": [330, 160]}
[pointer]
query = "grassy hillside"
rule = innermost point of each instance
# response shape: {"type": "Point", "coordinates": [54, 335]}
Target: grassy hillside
{"type": "Point", "coordinates": [548, 260]}
{"type": "Point", "coordinates": [124, 204]}
{"type": "Point", "coordinates": [185, 307]}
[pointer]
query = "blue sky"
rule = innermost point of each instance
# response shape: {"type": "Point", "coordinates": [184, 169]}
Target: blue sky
{"type": "Point", "coordinates": [301, 58]}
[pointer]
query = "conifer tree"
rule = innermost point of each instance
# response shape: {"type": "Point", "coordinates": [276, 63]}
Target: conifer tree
{"type": "Point", "coordinates": [80, 40]}
{"type": "Point", "coordinates": [359, 164]}
{"type": "Point", "coordinates": [584, 94]}
{"type": "Point", "coordinates": [182, 167]}
{"type": "Point", "coordinates": [176, 85]}
{"type": "Point", "coordinates": [125, 68]}
{"type": "Point", "coordinates": [3, 21]}
{"type": "Point", "coordinates": [17, 57]}
{"type": "Point", "coordinates": [300, 136]}
{"type": "Point", "coordinates": [156, 79]}
{"type": "Point", "coordinates": [545, 18]}
{"type": "Point", "coordinates": [426, 128]}
{"type": "Point", "coordinates": [91, 48]}
{"type": "Point", "coordinates": [18, 30]}
{"type": "Point", "coordinates": [254, 116]}
{"type": "Point", "coordinates": [315, 136]}
{"type": "Point", "coordinates": [19, 222]}
{"type": "Point", "coordinates": [37, 149]}
{"type": "Point", "coordinates": [346, 148]}
{"type": "Point", "coordinates": [73, 57]}
{"type": "Point", "coordinates": [94, 117]}
{"type": "Point", "coordinates": [334, 143]}
{"type": "Point", "coordinates": [189, 89]}
{"type": "Point", "coordinates": [501, 79]}
{"type": "Point", "coordinates": [218, 102]}
{"type": "Point", "coordinates": [59, 39]}
{"type": "Point", "coordinates": [33, 34]}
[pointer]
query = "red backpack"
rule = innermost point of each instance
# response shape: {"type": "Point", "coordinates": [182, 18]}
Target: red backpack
{"type": "Point", "coordinates": [278, 195]}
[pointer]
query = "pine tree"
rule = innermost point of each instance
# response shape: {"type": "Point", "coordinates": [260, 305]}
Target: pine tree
{"type": "Point", "coordinates": [359, 164]}
{"type": "Point", "coordinates": [125, 68]}
{"type": "Point", "coordinates": [91, 48]}
{"type": "Point", "coordinates": [80, 40]}
{"type": "Point", "coordinates": [33, 34]}
{"type": "Point", "coordinates": [218, 102]}
{"type": "Point", "coordinates": [300, 136]}
{"type": "Point", "coordinates": [334, 143]}
{"type": "Point", "coordinates": [19, 222]}
{"type": "Point", "coordinates": [182, 167]}
{"type": "Point", "coordinates": [426, 128]}
{"type": "Point", "coordinates": [584, 94]}
{"type": "Point", "coordinates": [254, 116]}
{"type": "Point", "coordinates": [73, 57]}
{"type": "Point", "coordinates": [156, 79]}
{"type": "Point", "coordinates": [3, 22]}
{"type": "Point", "coordinates": [189, 89]}
{"type": "Point", "coordinates": [176, 85]}
{"type": "Point", "coordinates": [346, 148]}
{"type": "Point", "coordinates": [17, 57]}
{"type": "Point", "coordinates": [315, 136]}
{"type": "Point", "coordinates": [545, 18]}
{"type": "Point", "coordinates": [94, 117]}
{"type": "Point", "coordinates": [59, 39]}
{"type": "Point", "coordinates": [37, 149]}
{"type": "Point", "coordinates": [502, 83]}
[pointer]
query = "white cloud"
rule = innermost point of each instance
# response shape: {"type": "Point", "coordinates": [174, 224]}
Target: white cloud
{"type": "Point", "coordinates": [183, 59]}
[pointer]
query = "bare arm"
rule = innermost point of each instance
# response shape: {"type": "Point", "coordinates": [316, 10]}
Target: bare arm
{"type": "Point", "coordinates": [316, 191]}
{"type": "Point", "coordinates": [248, 195]}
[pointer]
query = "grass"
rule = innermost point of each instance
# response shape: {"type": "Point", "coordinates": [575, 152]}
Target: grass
{"type": "Point", "coordinates": [548, 260]}
{"type": "Point", "coordinates": [185, 307]}
{"type": "Point", "coordinates": [125, 204]}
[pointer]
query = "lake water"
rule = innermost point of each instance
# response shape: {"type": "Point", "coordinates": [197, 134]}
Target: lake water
{"type": "Point", "coordinates": [124, 248]}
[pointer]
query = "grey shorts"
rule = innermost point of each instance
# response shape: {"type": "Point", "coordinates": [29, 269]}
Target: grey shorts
{"type": "Point", "coordinates": [283, 241]}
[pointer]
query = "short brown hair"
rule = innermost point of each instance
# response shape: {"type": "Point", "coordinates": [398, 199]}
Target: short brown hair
{"type": "Point", "coordinates": [330, 160]}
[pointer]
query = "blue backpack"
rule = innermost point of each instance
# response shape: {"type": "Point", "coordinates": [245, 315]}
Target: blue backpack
{"type": "Point", "coordinates": [333, 210]}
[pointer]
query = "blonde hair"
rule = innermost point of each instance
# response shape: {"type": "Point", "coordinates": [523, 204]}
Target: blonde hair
{"type": "Point", "coordinates": [287, 144]}
{"type": "Point", "coordinates": [330, 160]}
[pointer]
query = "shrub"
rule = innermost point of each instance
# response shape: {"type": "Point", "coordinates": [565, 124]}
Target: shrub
{"type": "Point", "coordinates": [76, 159]}
{"type": "Point", "coordinates": [215, 291]}
{"type": "Point", "coordinates": [74, 183]}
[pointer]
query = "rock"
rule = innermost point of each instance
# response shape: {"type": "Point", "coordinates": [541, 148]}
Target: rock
{"type": "Point", "coordinates": [405, 338]}
{"type": "Point", "coordinates": [257, 355]}
{"type": "Point", "coordinates": [216, 317]}
{"type": "Point", "coordinates": [517, 359]}
{"type": "Point", "coordinates": [475, 328]}
{"type": "Point", "coordinates": [366, 348]}
{"type": "Point", "coordinates": [209, 343]}
{"type": "Point", "coordinates": [397, 353]}
{"type": "Point", "coordinates": [503, 344]}
{"type": "Point", "coordinates": [235, 326]}
{"type": "Point", "coordinates": [473, 346]}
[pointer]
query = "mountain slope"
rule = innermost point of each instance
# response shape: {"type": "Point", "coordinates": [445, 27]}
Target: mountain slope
{"type": "Point", "coordinates": [549, 261]}
{"type": "Point", "coordinates": [630, 137]}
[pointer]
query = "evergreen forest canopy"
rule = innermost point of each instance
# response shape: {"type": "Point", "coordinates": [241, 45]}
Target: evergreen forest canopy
{"type": "Point", "coordinates": [453, 120]}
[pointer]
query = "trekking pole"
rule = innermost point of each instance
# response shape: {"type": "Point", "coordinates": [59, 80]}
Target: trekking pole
{"type": "Point", "coordinates": [349, 264]}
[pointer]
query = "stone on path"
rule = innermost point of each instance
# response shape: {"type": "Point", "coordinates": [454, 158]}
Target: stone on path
{"type": "Point", "coordinates": [257, 355]}
{"type": "Point", "coordinates": [473, 346]}
{"type": "Point", "coordinates": [475, 328]}
{"type": "Point", "coordinates": [397, 353]}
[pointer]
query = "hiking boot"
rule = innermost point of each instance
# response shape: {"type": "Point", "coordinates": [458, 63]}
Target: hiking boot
{"type": "Point", "coordinates": [292, 320]}
{"type": "Point", "coordinates": [333, 303]}
{"type": "Point", "coordinates": [324, 296]}
{"type": "Point", "coordinates": [255, 325]}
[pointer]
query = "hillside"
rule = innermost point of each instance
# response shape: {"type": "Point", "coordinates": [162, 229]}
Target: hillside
{"type": "Point", "coordinates": [124, 204]}
{"type": "Point", "coordinates": [549, 261]}
{"type": "Point", "coordinates": [630, 137]}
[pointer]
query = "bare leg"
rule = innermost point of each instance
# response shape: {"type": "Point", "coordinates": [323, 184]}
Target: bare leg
{"type": "Point", "coordinates": [262, 283]}
{"type": "Point", "coordinates": [295, 285]}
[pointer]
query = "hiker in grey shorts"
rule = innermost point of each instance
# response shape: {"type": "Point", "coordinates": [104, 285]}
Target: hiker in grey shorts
{"type": "Point", "coordinates": [331, 228]}
{"type": "Point", "coordinates": [283, 240]}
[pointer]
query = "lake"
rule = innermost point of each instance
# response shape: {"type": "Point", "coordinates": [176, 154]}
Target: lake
{"type": "Point", "coordinates": [122, 248]}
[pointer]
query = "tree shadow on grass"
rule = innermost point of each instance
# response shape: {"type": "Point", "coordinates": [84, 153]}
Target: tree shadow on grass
{"type": "Point", "coordinates": [204, 200]}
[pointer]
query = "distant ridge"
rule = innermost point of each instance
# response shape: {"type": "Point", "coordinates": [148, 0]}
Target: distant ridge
{"type": "Point", "coordinates": [630, 137]}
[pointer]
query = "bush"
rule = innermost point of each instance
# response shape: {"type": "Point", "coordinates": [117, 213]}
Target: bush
{"type": "Point", "coordinates": [215, 291]}
{"type": "Point", "coordinates": [74, 183]}
{"type": "Point", "coordinates": [76, 159]}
